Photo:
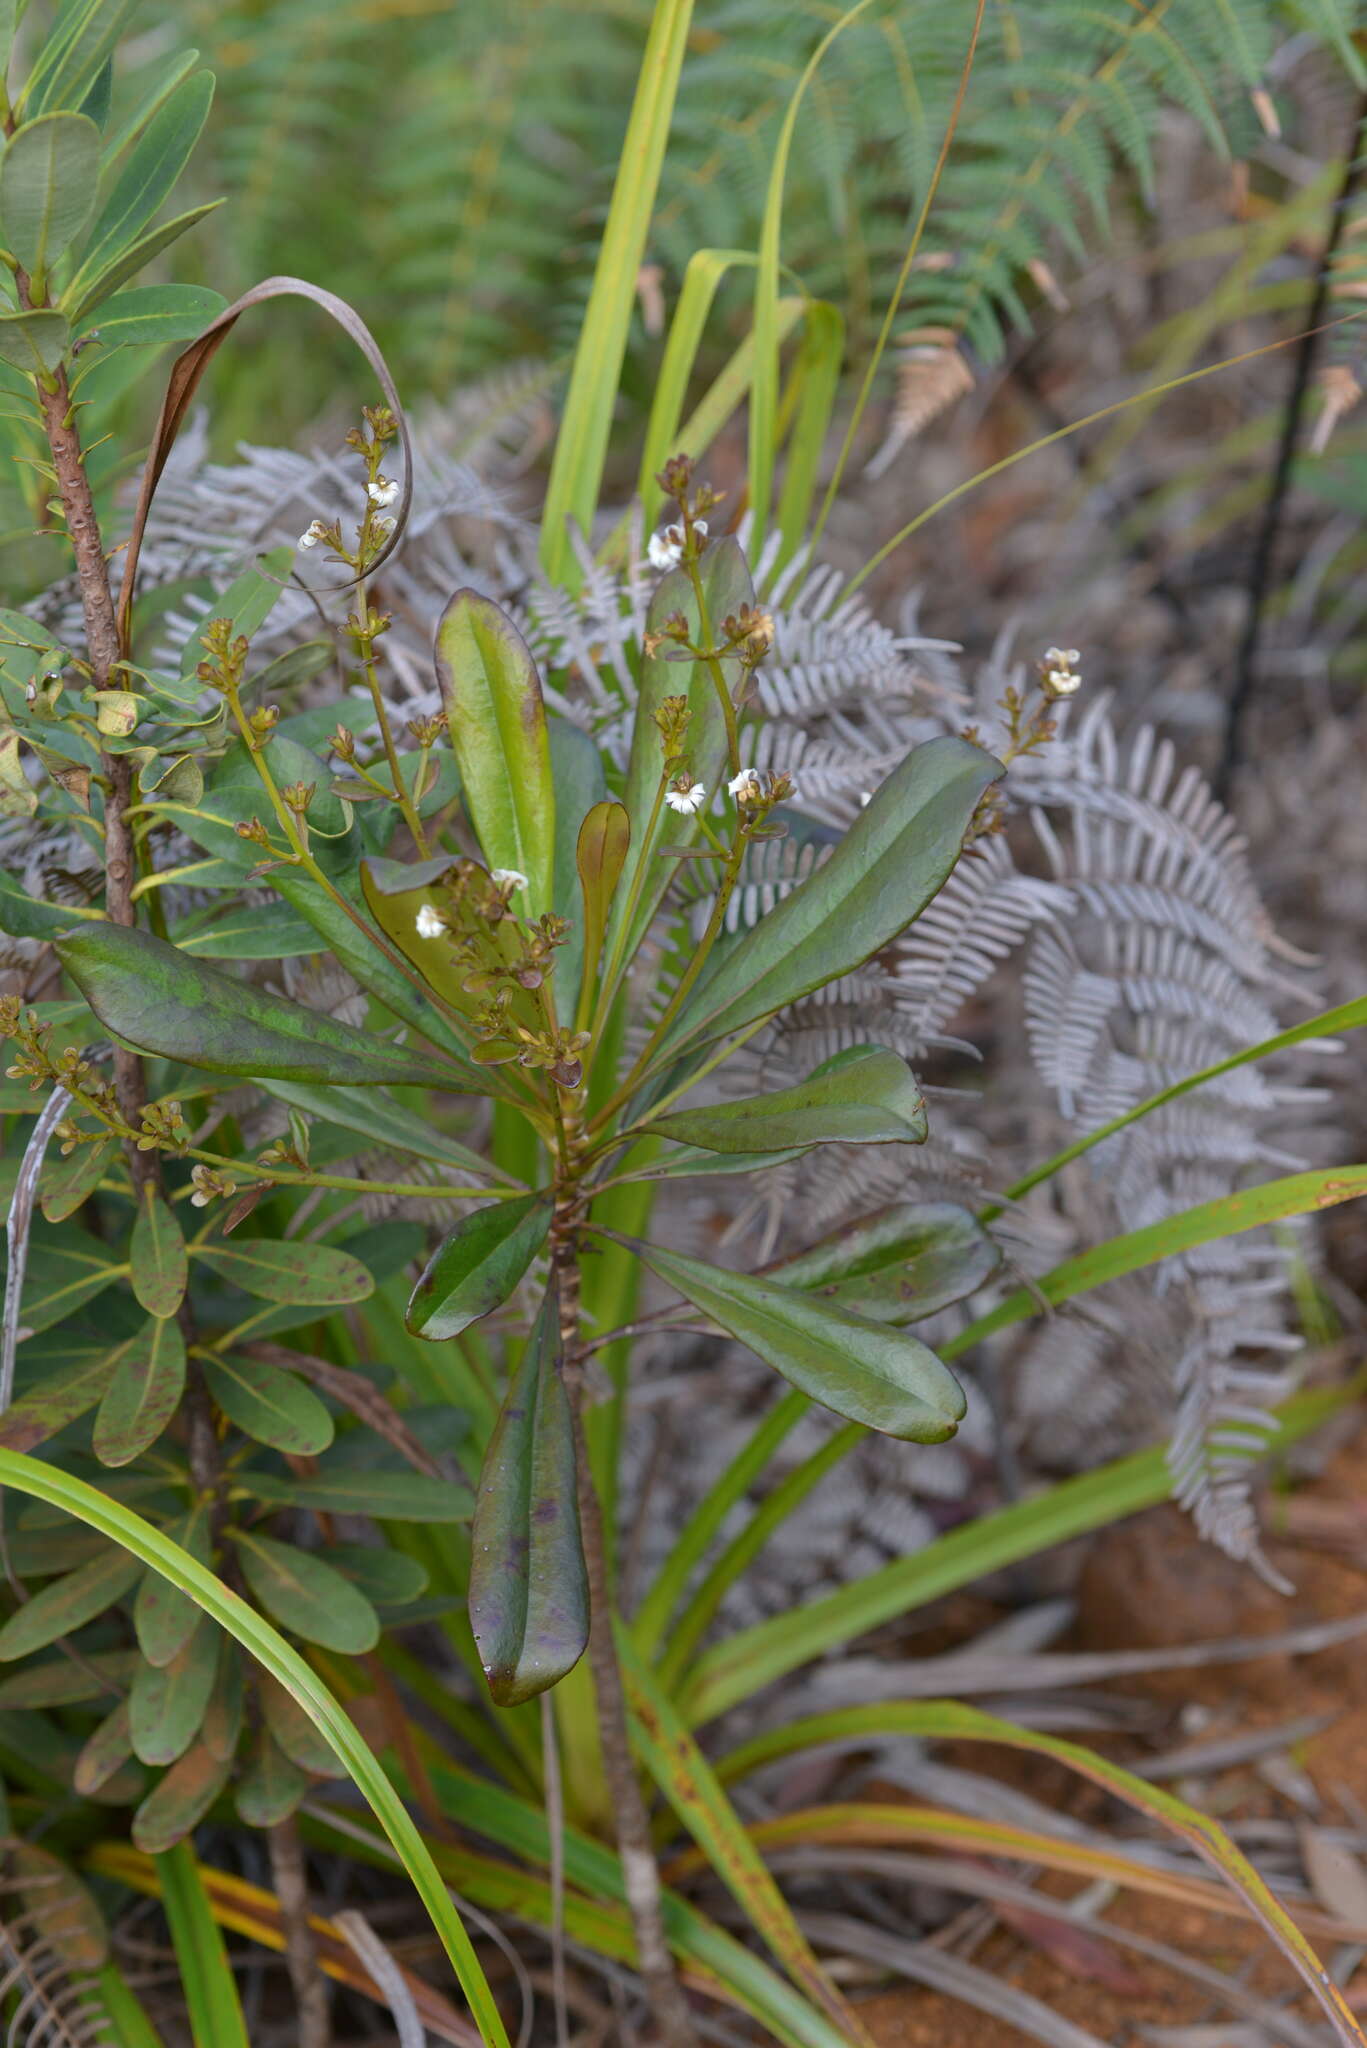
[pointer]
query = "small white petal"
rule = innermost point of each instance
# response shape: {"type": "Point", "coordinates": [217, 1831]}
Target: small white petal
{"type": "Point", "coordinates": [430, 922]}
{"type": "Point", "coordinates": [745, 784]}
{"type": "Point", "coordinates": [508, 878]}
{"type": "Point", "coordinates": [700, 526]}
{"type": "Point", "coordinates": [686, 800]}
{"type": "Point", "coordinates": [382, 491]}
{"type": "Point", "coordinates": [662, 552]}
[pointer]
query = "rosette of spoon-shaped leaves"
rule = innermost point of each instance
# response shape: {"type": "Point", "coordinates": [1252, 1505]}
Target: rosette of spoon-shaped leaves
{"type": "Point", "coordinates": [865, 1370]}
{"type": "Point", "coordinates": [899, 851]}
{"type": "Point", "coordinates": [864, 1095]}
{"type": "Point", "coordinates": [158, 999]}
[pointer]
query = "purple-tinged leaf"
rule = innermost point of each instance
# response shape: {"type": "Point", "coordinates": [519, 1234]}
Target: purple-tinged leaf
{"type": "Point", "coordinates": [898, 1264]}
{"type": "Point", "coordinates": [529, 1595]}
{"type": "Point", "coordinates": [144, 1393]}
{"type": "Point", "coordinates": [160, 1269]}
{"type": "Point", "coordinates": [178, 1804]}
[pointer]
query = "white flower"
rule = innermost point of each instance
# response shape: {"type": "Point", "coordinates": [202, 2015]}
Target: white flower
{"type": "Point", "coordinates": [313, 535]}
{"type": "Point", "coordinates": [384, 526]}
{"type": "Point", "coordinates": [745, 787]}
{"type": "Point", "coordinates": [1059, 675]}
{"type": "Point", "coordinates": [431, 924]}
{"type": "Point", "coordinates": [700, 526]}
{"type": "Point", "coordinates": [508, 878]}
{"type": "Point", "coordinates": [666, 549]}
{"type": "Point", "coordinates": [382, 491]}
{"type": "Point", "coordinates": [686, 800]}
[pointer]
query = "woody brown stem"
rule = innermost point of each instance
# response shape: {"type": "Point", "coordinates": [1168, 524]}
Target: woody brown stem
{"type": "Point", "coordinates": [640, 1871]}
{"type": "Point", "coordinates": [290, 1879]}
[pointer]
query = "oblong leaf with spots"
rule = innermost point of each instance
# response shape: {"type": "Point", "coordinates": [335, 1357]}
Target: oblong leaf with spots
{"type": "Point", "coordinates": [529, 1595]}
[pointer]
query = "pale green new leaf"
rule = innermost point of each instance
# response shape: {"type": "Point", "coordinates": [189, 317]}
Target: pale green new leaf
{"type": "Point", "coordinates": [865, 1095]}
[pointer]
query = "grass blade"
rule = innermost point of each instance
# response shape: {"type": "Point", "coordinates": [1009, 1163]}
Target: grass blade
{"type": "Point", "coordinates": [581, 446]}
{"type": "Point", "coordinates": [211, 2000]}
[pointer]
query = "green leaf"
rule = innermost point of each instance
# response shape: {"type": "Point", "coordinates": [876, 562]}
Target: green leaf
{"type": "Point", "coordinates": [61, 1398]}
{"type": "Point", "coordinates": [271, 1406]}
{"type": "Point", "coordinates": [33, 342]}
{"type": "Point", "coordinates": [305, 1595]}
{"type": "Point", "coordinates": [226, 1711]}
{"type": "Point", "coordinates": [245, 931]}
{"type": "Point", "coordinates": [136, 258]}
{"type": "Point", "coordinates": [293, 1731]}
{"type": "Point", "coordinates": [271, 1787]}
{"type": "Point", "coordinates": [144, 1393]}
{"type": "Point", "coordinates": [165, 1617]}
{"type": "Point", "coordinates": [899, 851]}
{"type": "Point", "coordinates": [148, 175]}
{"type": "Point", "coordinates": [863, 1096]}
{"type": "Point", "coordinates": [106, 1753]}
{"type": "Point", "coordinates": [388, 1496]}
{"type": "Point", "coordinates": [303, 1275]}
{"type": "Point", "coordinates": [68, 1604]}
{"type": "Point", "coordinates": [529, 1594]}
{"type": "Point", "coordinates": [384, 1121]}
{"type": "Point", "coordinates": [600, 855]}
{"type": "Point", "coordinates": [26, 917]}
{"type": "Point", "coordinates": [395, 892]}
{"type": "Point", "coordinates": [574, 492]}
{"type": "Point", "coordinates": [478, 1264]}
{"type": "Point", "coordinates": [861, 1369]}
{"type": "Point", "coordinates": [725, 577]}
{"type": "Point", "coordinates": [212, 2006]}
{"type": "Point", "coordinates": [179, 1803]}
{"type": "Point", "coordinates": [156, 313]}
{"type": "Point", "coordinates": [498, 732]}
{"type": "Point", "coordinates": [65, 1183]}
{"type": "Point", "coordinates": [149, 1546]}
{"type": "Point", "coordinates": [48, 176]}
{"type": "Point", "coordinates": [691, 1160]}
{"type": "Point", "coordinates": [160, 1269]}
{"type": "Point", "coordinates": [578, 771]}
{"type": "Point", "coordinates": [78, 46]}
{"type": "Point", "coordinates": [389, 1578]}
{"type": "Point", "coordinates": [59, 1682]}
{"type": "Point", "coordinates": [898, 1264]}
{"type": "Point", "coordinates": [167, 1701]}
{"type": "Point", "coordinates": [159, 1000]}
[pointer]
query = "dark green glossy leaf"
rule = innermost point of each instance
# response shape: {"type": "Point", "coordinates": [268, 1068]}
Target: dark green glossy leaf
{"type": "Point", "coordinates": [899, 1264]}
{"type": "Point", "coordinates": [48, 175]}
{"type": "Point", "coordinates": [159, 1000]}
{"type": "Point", "coordinates": [861, 1369]}
{"type": "Point", "coordinates": [68, 1603]}
{"type": "Point", "coordinates": [167, 1701]}
{"type": "Point", "coordinates": [498, 733]}
{"type": "Point", "coordinates": [26, 917]}
{"type": "Point", "coordinates": [66, 1182]}
{"type": "Point", "coordinates": [271, 1406]}
{"type": "Point", "coordinates": [60, 1682]}
{"type": "Point", "coordinates": [529, 1595]}
{"type": "Point", "coordinates": [106, 1752]}
{"type": "Point", "coordinates": [178, 1804]}
{"type": "Point", "coordinates": [303, 1275]}
{"type": "Point", "coordinates": [164, 1617]}
{"type": "Point", "coordinates": [293, 1731]}
{"type": "Point", "coordinates": [899, 851]}
{"type": "Point", "coordinates": [160, 1269]}
{"type": "Point", "coordinates": [246, 931]}
{"type": "Point", "coordinates": [478, 1264]}
{"type": "Point", "coordinates": [389, 1578]}
{"type": "Point", "coordinates": [271, 1787]}
{"type": "Point", "coordinates": [306, 1596]}
{"type": "Point", "coordinates": [156, 313]}
{"type": "Point", "coordinates": [726, 585]}
{"type": "Point", "coordinates": [147, 176]}
{"type": "Point", "coordinates": [388, 1496]}
{"type": "Point", "coordinates": [63, 1397]}
{"type": "Point", "coordinates": [144, 1393]}
{"type": "Point", "coordinates": [864, 1096]}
